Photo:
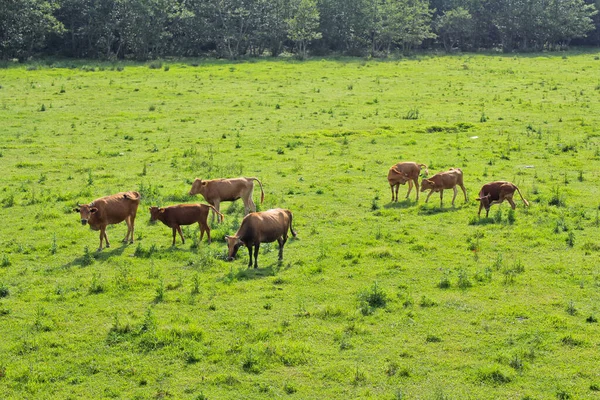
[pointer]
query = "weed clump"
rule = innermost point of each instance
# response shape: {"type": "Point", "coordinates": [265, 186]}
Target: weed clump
{"type": "Point", "coordinates": [371, 299]}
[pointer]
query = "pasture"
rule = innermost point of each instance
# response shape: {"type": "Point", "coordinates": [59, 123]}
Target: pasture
{"type": "Point", "coordinates": [373, 299]}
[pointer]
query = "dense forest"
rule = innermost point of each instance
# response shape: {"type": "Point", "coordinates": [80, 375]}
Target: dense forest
{"type": "Point", "coordinates": [147, 29]}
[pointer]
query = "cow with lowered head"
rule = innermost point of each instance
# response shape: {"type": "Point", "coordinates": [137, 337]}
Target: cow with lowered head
{"type": "Point", "coordinates": [444, 180]}
{"type": "Point", "coordinates": [110, 210]}
{"type": "Point", "coordinates": [496, 193]}
{"type": "Point", "coordinates": [261, 227]}
{"type": "Point", "coordinates": [404, 172]}
{"type": "Point", "coordinates": [217, 190]}
{"type": "Point", "coordinates": [184, 214]}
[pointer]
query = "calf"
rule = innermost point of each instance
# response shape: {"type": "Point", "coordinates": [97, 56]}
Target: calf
{"type": "Point", "coordinates": [444, 180]}
{"type": "Point", "coordinates": [110, 210]}
{"type": "Point", "coordinates": [217, 190]}
{"type": "Point", "coordinates": [261, 227]}
{"type": "Point", "coordinates": [405, 172]}
{"type": "Point", "coordinates": [496, 193]}
{"type": "Point", "coordinates": [184, 214]}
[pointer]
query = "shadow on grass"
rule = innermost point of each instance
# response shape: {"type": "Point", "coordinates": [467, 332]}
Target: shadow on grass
{"type": "Point", "coordinates": [94, 255]}
{"type": "Point", "coordinates": [252, 273]}
{"type": "Point", "coordinates": [481, 221]}
{"type": "Point", "coordinates": [433, 210]}
{"type": "Point", "coordinates": [400, 204]}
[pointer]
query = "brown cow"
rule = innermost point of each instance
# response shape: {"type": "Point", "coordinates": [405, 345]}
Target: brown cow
{"type": "Point", "coordinates": [496, 193]}
{"type": "Point", "coordinates": [184, 214]}
{"type": "Point", "coordinates": [261, 227]}
{"type": "Point", "coordinates": [110, 210]}
{"type": "Point", "coordinates": [444, 180]}
{"type": "Point", "coordinates": [405, 172]}
{"type": "Point", "coordinates": [217, 190]}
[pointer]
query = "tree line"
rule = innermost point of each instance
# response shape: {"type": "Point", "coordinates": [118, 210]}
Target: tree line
{"type": "Point", "coordinates": [146, 29]}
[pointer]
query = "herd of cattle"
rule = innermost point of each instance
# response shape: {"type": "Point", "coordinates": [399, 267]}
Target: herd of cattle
{"type": "Point", "coordinates": [271, 225]}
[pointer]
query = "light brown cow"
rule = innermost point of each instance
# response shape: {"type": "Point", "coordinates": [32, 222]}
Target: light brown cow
{"type": "Point", "coordinates": [110, 210]}
{"type": "Point", "coordinates": [217, 190]}
{"type": "Point", "coordinates": [496, 193]}
{"type": "Point", "coordinates": [404, 172]}
{"type": "Point", "coordinates": [261, 227]}
{"type": "Point", "coordinates": [444, 180]}
{"type": "Point", "coordinates": [184, 214]}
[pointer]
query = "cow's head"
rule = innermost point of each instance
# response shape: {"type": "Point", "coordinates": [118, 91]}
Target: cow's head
{"type": "Point", "coordinates": [86, 211]}
{"type": "Point", "coordinates": [198, 187]}
{"type": "Point", "coordinates": [427, 184]}
{"type": "Point", "coordinates": [485, 201]}
{"type": "Point", "coordinates": [233, 244]}
{"type": "Point", "coordinates": [155, 213]}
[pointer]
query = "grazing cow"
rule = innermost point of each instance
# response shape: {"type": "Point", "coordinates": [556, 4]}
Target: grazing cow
{"type": "Point", "coordinates": [184, 214]}
{"type": "Point", "coordinates": [217, 190]}
{"type": "Point", "coordinates": [496, 193]}
{"type": "Point", "coordinates": [405, 172]}
{"type": "Point", "coordinates": [261, 227]}
{"type": "Point", "coordinates": [111, 210]}
{"type": "Point", "coordinates": [444, 180]}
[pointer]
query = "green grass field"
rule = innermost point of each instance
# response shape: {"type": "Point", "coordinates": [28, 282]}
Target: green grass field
{"type": "Point", "coordinates": [373, 299]}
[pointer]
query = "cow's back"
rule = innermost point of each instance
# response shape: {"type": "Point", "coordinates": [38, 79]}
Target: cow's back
{"type": "Point", "coordinates": [226, 189]}
{"type": "Point", "coordinates": [115, 208]}
{"type": "Point", "coordinates": [185, 214]}
{"type": "Point", "coordinates": [409, 168]}
{"type": "Point", "coordinates": [265, 226]}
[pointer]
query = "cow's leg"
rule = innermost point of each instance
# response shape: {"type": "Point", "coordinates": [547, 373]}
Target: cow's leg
{"type": "Point", "coordinates": [465, 193]}
{"type": "Point", "coordinates": [103, 237]}
{"type": "Point", "coordinates": [216, 204]}
{"type": "Point", "coordinates": [256, 247]}
{"type": "Point", "coordinates": [410, 186]}
{"type": "Point", "coordinates": [207, 229]}
{"type": "Point", "coordinates": [487, 212]}
{"type": "Point", "coordinates": [455, 193]}
{"type": "Point", "coordinates": [249, 255]}
{"type": "Point", "coordinates": [128, 222]}
{"type": "Point", "coordinates": [281, 241]}
{"type": "Point", "coordinates": [392, 188]}
{"type": "Point", "coordinates": [512, 203]}
{"type": "Point", "coordinates": [174, 235]}
{"type": "Point", "coordinates": [430, 193]}
{"type": "Point", "coordinates": [417, 187]}
{"type": "Point", "coordinates": [442, 198]}
{"type": "Point", "coordinates": [251, 205]}
{"type": "Point", "coordinates": [480, 207]}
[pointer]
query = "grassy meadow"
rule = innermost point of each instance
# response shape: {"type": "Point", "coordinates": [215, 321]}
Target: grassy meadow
{"type": "Point", "coordinates": [373, 299]}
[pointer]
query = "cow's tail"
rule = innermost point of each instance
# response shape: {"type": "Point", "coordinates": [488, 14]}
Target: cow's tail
{"type": "Point", "coordinates": [424, 166]}
{"type": "Point", "coordinates": [132, 195]}
{"type": "Point", "coordinates": [262, 193]}
{"type": "Point", "coordinates": [522, 198]}
{"type": "Point", "coordinates": [214, 210]}
{"type": "Point", "coordinates": [289, 213]}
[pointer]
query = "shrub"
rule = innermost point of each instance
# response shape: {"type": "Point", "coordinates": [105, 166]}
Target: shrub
{"type": "Point", "coordinates": [155, 64]}
{"type": "Point", "coordinates": [96, 286]}
{"type": "Point", "coordinates": [374, 297]}
{"type": "Point", "coordinates": [3, 290]}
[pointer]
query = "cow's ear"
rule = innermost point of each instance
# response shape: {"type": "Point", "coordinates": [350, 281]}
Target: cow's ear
{"type": "Point", "coordinates": [161, 210]}
{"type": "Point", "coordinates": [227, 237]}
{"type": "Point", "coordinates": [93, 210]}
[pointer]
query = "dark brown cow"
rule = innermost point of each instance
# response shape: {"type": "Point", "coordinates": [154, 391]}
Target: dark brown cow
{"type": "Point", "coordinates": [496, 193]}
{"type": "Point", "coordinates": [404, 172]}
{"type": "Point", "coordinates": [110, 210]}
{"type": "Point", "coordinates": [444, 180]}
{"type": "Point", "coordinates": [217, 190]}
{"type": "Point", "coordinates": [261, 227]}
{"type": "Point", "coordinates": [184, 214]}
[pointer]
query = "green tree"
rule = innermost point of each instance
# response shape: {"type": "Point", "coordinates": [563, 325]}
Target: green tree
{"type": "Point", "coordinates": [303, 26]}
{"type": "Point", "coordinates": [25, 26]}
{"type": "Point", "coordinates": [454, 28]}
